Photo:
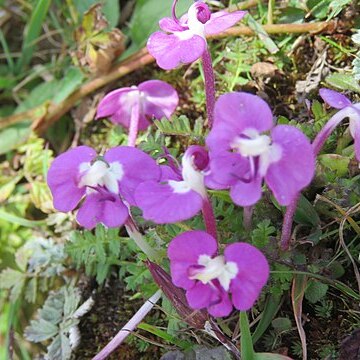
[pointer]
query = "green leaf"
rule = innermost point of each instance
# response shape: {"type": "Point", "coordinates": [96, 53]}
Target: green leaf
{"type": "Point", "coordinates": [32, 32]}
{"type": "Point", "coordinates": [176, 126]}
{"type": "Point", "coordinates": [281, 324]}
{"type": "Point", "coordinates": [68, 84]}
{"type": "Point", "coordinates": [13, 136]}
{"type": "Point", "coordinates": [247, 349]}
{"type": "Point", "coordinates": [305, 213]}
{"type": "Point", "coordinates": [4, 215]}
{"type": "Point", "coordinates": [315, 291]}
{"type": "Point", "coordinates": [59, 348]}
{"type": "Point", "coordinates": [343, 82]}
{"type": "Point", "coordinates": [40, 330]}
{"type": "Point", "coordinates": [31, 290]}
{"type": "Point", "coordinates": [335, 163]}
{"type": "Point", "coordinates": [336, 7]}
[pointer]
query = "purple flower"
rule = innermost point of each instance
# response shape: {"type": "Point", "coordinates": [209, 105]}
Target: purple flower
{"type": "Point", "coordinates": [243, 155]}
{"type": "Point", "coordinates": [107, 183]}
{"type": "Point", "coordinates": [347, 110]}
{"type": "Point", "coordinates": [179, 194]}
{"type": "Point", "coordinates": [151, 99]}
{"type": "Point", "coordinates": [184, 41]}
{"type": "Point", "coordinates": [208, 278]}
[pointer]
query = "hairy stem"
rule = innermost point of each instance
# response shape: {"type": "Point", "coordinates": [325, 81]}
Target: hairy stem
{"type": "Point", "coordinates": [209, 85]}
{"type": "Point", "coordinates": [209, 217]}
{"type": "Point", "coordinates": [129, 327]}
{"type": "Point", "coordinates": [134, 124]}
{"type": "Point", "coordinates": [287, 223]}
{"type": "Point", "coordinates": [247, 217]}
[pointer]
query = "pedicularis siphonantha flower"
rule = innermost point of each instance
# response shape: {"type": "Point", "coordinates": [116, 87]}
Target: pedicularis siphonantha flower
{"type": "Point", "coordinates": [184, 41]}
{"type": "Point", "coordinates": [246, 148]}
{"type": "Point", "coordinates": [347, 110]}
{"type": "Point", "coordinates": [180, 193]}
{"type": "Point", "coordinates": [106, 183]}
{"type": "Point", "coordinates": [134, 107]}
{"type": "Point", "coordinates": [213, 281]}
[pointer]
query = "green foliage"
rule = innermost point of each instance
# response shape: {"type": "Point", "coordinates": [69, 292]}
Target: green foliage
{"type": "Point", "coordinates": [261, 234]}
{"type": "Point", "coordinates": [281, 280]}
{"type": "Point", "coordinates": [180, 126]}
{"type": "Point", "coordinates": [58, 321]}
{"type": "Point", "coordinates": [324, 309]}
{"type": "Point", "coordinates": [96, 252]}
{"type": "Point", "coordinates": [343, 82]}
{"type": "Point", "coordinates": [38, 262]}
{"type": "Point", "coordinates": [315, 291]}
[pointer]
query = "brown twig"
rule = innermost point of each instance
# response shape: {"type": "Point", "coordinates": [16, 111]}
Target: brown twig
{"type": "Point", "coordinates": [134, 62]}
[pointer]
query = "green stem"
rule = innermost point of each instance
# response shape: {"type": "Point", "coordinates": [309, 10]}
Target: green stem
{"type": "Point", "coordinates": [247, 349]}
{"type": "Point", "coordinates": [134, 234]}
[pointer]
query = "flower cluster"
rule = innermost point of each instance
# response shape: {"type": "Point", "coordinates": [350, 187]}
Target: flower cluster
{"type": "Point", "coordinates": [245, 149]}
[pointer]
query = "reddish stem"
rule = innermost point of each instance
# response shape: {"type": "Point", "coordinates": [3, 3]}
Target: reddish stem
{"type": "Point", "coordinates": [209, 217]}
{"type": "Point", "coordinates": [209, 85]}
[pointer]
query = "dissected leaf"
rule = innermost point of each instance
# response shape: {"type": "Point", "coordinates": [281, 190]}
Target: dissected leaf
{"type": "Point", "coordinates": [40, 330]}
{"type": "Point", "coordinates": [315, 291]}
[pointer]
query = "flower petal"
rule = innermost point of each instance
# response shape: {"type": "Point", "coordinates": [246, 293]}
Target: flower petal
{"type": "Point", "coordinates": [296, 167]}
{"type": "Point", "coordinates": [246, 193]}
{"type": "Point", "coordinates": [168, 24]}
{"type": "Point", "coordinates": [162, 205]}
{"type": "Point", "coordinates": [137, 166]}
{"type": "Point", "coordinates": [199, 296]}
{"type": "Point", "coordinates": [184, 251]}
{"type": "Point", "coordinates": [220, 304]}
{"type": "Point", "coordinates": [115, 105]}
{"type": "Point", "coordinates": [173, 50]}
{"type": "Point", "coordinates": [222, 20]}
{"type": "Point", "coordinates": [242, 111]}
{"type": "Point", "coordinates": [63, 177]}
{"type": "Point", "coordinates": [107, 209]}
{"type": "Point", "coordinates": [334, 98]}
{"type": "Point", "coordinates": [161, 99]}
{"type": "Point", "coordinates": [253, 272]}
{"type": "Point", "coordinates": [225, 170]}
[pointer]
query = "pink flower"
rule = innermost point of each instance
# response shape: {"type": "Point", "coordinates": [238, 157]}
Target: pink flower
{"type": "Point", "coordinates": [151, 99]}
{"type": "Point", "coordinates": [106, 183]}
{"type": "Point", "coordinates": [243, 154]}
{"type": "Point", "coordinates": [184, 41]}
{"type": "Point", "coordinates": [213, 281]}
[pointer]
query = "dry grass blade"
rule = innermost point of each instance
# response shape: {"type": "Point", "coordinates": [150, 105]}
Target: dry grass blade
{"type": "Point", "coordinates": [297, 296]}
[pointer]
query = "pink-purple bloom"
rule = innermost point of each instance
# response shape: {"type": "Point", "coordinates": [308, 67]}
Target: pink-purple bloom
{"type": "Point", "coordinates": [150, 99]}
{"type": "Point", "coordinates": [180, 193]}
{"type": "Point", "coordinates": [213, 281]}
{"type": "Point", "coordinates": [105, 183]}
{"type": "Point", "coordinates": [347, 110]}
{"type": "Point", "coordinates": [184, 41]}
{"type": "Point", "coordinates": [246, 149]}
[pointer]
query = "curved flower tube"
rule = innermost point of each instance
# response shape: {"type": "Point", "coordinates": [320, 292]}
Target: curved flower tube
{"type": "Point", "coordinates": [105, 183]}
{"type": "Point", "coordinates": [243, 154]}
{"type": "Point", "coordinates": [134, 107]}
{"type": "Point", "coordinates": [347, 110]}
{"type": "Point", "coordinates": [209, 278]}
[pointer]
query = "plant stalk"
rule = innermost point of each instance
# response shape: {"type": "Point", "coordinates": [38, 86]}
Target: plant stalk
{"type": "Point", "coordinates": [134, 234]}
{"type": "Point", "coordinates": [209, 85]}
{"type": "Point", "coordinates": [134, 124]}
{"type": "Point", "coordinates": [209, 217]}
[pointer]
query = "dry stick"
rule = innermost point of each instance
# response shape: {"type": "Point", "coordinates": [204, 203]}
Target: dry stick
{"type": "Point", "coordinates": [141, 58]}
